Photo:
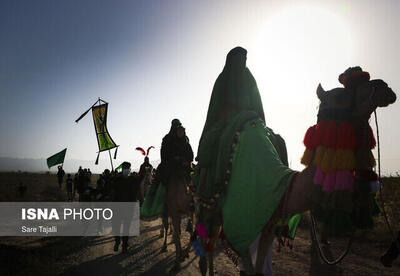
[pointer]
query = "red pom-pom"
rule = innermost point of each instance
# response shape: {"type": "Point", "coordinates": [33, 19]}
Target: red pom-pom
{"type": "Point", "coordinates": [372, 138]}
{"type": "Point", "coordinates": [329, 137]}
{"type": "Point", "coordinates": [345, 136]}
{"type": "Point", "coordinates": [341, 136]}
{"type": "Point", "coordinates": [308, 138]}
{"type": "Point", "coordinates": [350, 137]}
{"type": "Point", "coordinates": [318, 133]}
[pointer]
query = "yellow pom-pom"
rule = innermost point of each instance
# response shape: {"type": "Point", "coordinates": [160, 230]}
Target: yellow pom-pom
{"type": "Point", "coordinates": [327, 161]}
{"type": "Point", "coordinates": [306, 159]}
{"type": "Point", "coordinates": [344, 160]}
{"type": "Point", "coordinates": [338, 159]}
{"type": "Point", "coordinates": [349, 162]}
{"type": "Point", "coordinates": [319, 154]}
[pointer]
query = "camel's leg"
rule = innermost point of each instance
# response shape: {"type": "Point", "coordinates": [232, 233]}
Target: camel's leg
{"type": "Point", "coordinates": [189, 246]}
{"type": "Point", "coordinates": [176, 222]}
{"type": "Point", "coordinates": [212, 242]}
{"type": "Point", "coordinates": [210, 263]}
{"type": "Point", "coordinates": [165, 225]}
{"type": "Point", "coordinates": [203, 265]}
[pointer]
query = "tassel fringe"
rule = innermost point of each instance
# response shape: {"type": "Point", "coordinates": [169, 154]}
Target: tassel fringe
{"type": "Point", "coordinates": [327, 161]}
{"type": "Point", "coordinates": [306, 159]}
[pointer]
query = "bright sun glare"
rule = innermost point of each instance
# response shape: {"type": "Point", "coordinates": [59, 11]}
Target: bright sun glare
{"type": "Point", "coordinates": [301, 46]}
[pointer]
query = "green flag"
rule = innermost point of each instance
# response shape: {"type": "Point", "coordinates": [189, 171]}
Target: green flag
{"type": "Point", "coordinates": [56, 159]}
{"type": "Point", "coordinates": [119, 167]}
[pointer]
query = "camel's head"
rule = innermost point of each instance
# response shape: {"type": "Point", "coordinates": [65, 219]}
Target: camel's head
{"type": "Point", "coordinates": [373, 94]}
{"type": "Point", "coordinates": [358, 102]}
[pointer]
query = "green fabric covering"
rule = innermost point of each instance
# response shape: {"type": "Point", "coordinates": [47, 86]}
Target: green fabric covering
{"type": "Point", "coordinates": [257, 184]}
{"type": "Point", "coordinates": [154, 201]}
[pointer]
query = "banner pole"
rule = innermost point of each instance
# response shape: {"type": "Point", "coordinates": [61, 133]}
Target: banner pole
{"type": "Point", "coordinates": [112, 167]}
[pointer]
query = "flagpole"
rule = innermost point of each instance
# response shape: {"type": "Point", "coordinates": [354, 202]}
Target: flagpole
{"type": "Point", "coordinates": [112, 167]}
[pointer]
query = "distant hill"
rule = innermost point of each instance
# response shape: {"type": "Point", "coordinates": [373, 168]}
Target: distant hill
{"type": "Point", "coordinates": [71, 165]}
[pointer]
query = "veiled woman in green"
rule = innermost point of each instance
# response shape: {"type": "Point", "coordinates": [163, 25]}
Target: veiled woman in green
{"type": "Point", "coordinates": [242, 164]}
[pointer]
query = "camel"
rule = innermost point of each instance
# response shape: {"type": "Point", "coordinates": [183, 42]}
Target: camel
{"type": "Point", "coordinates": [359, 103]}
{"type": "Point", "coordinates": [179, 203]}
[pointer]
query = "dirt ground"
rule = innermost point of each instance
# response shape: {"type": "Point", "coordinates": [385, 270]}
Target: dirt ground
{"type": "Point", "coordinates": [95, 255]}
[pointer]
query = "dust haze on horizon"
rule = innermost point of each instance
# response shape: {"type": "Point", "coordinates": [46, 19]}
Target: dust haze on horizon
{"type": "Point", "coordinates": [158, 60]}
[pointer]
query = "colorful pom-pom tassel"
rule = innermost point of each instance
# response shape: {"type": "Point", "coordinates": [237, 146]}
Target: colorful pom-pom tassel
{"type": "Point", "coordinates": [308, 138]}
{"type": "Point", "coordinates": [344, 160]}
{"type": "Point", "coordinates": [345, 136]}
{"type": "Point", "coordinates": [319, 133]}
{"type": "Point", "coordinates": [350, 141]}
{"type": "Point", "coordinates": [338, 158]}
{"type": "Point", "coordinates": [329, 183]}
{"type": "Point", "coordinates": [306, 158]}
{"type": "Point", "coordinates": [319, 176]}
{"type": "Point", "coordinates": [329, 137]}
{"type": "Point", "coordinates": [327, 161]}
{"type": "Point", "coordinates": [344, 181]}
{"type": "Point", "coordinates": [319, 155]}
{"type": "Point", "coordinates": [349, 162]}
{"type": "Point", "coordinates": [341, 135]}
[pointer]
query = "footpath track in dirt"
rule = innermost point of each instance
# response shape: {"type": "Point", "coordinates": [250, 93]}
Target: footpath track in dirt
{"type": "Point", "coordinates": [144, 257]}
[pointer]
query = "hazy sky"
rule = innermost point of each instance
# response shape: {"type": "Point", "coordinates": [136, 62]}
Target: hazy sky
{"type": "Point", "coordinates": [157, 60]}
